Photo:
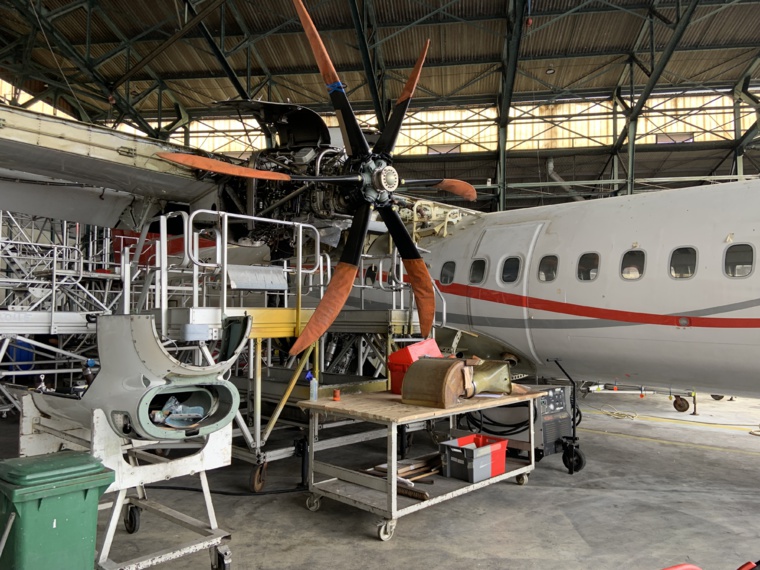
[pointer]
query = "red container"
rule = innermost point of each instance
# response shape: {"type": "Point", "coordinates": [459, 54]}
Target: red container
{"type": "Point", "coordinates": [487, 460]}
{"type": "Point", "coordinates": [400, 361]}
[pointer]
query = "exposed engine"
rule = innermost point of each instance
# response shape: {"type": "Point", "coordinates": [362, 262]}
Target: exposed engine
{"type": "Point", "coordinates": [302, 145]}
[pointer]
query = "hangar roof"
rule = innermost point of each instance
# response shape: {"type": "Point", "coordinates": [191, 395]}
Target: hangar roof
{"type": "Point", "coordinates": [109, 59]}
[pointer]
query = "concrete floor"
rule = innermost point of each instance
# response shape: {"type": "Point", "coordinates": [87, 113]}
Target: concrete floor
{"type": "Point", "coordinates": [662, 489]}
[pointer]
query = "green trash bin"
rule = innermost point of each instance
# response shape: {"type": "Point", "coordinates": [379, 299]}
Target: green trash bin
{"type": "Point", "coordinates": [55, 501]}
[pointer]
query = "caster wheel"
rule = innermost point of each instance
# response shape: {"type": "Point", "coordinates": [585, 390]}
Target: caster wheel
{"type": "Point", "coordinates": [578, 464]}
{"type": "Point", "coordinates": [258, 477]}
{"type": "Point", "coordinates": [716, 396]}
{"type": "Point", "coordinates": [522, 479]}
{"type": "Point", "coordinates": [385, 530]}
{"type": "Point", "coordinates": [681, 404]}
{"type": "Point", "coordinates": [313, 502]}
{"type": "Point", "coordinates": [223, 558]}
{"type": "Point", "coordinates": [132, 519]}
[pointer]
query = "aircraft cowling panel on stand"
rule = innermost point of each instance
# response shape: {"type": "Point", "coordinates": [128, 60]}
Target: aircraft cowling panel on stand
{"type": "Point", "coordinates": [138, 377]}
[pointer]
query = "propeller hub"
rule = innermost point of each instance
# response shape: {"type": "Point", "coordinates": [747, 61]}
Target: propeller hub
{"type": "Point", "coordinates": [385, 178]}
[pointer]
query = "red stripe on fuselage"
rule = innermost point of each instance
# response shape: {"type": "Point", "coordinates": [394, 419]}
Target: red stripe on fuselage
{"type": "Point", "coordinates": [594, 312]}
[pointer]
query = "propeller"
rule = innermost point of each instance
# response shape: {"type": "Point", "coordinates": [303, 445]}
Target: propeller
{"type": "Point", "coordinates": [381, 179]}
{"type": "Point", "coordinates": [371, 183]}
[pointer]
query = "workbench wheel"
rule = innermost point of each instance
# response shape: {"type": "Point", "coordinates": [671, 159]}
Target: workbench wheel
{"type": "Point", "coordinates": [681, 404]}
{"type": "Point", "coordinates": [567, 459]}
{"type": "Point", "coordinates": [132, 519]}
{"type": "Point", "coordinates": [258, 477]}
{"type": "Point", "coordinates": [223, 558]}
{"type": "Point", "coordinates": [522, 479]}
{"type": "Point", "coordinates": [386, 529]}
{"type": "Point", "coordinates": [313, 502]}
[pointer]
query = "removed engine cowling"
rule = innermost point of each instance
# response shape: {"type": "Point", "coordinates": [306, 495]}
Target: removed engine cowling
{"type": "Point", "coordinates": [441, 382]}
{"type": "Point", "coordinates": [145, 392]}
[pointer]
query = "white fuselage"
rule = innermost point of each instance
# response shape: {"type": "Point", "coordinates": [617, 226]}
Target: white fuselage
{"type": "Point", "coordinates": [691, 325]}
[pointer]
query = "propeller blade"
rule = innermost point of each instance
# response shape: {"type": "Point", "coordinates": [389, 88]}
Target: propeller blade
{"type": "Point", "coordinates": [341, 282]}
{"type": "Point", "coordinates": [387, 140]}
{"type": "Point", "coordinates": [220, 167]}
{"type": "Point", "coordinates": [458, 187]}
{"type": "Point", "coordinates": [356, 144]}
{"type": "Point", "coordinates": [419, 277]}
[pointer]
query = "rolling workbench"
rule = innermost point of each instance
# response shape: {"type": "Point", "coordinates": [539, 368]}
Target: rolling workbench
{"type": "Point", "coordinates": [380, 496]}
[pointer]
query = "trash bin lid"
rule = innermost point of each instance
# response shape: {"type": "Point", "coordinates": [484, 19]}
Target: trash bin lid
{"type": "Point", "coordinates": [42, 469]}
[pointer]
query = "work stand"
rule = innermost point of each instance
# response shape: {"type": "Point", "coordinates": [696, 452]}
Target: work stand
{"type": "Point", "coordinates": [380, 495]}
{"type": "Point", "coordinates": [136, 464]}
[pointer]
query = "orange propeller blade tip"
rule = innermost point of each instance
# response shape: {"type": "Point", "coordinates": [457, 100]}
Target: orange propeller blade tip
{"type": "Point", "coordinates": [414, 77]}
{"type": "Point", "coordinates": [220, 167]}
{"type": "Point", "coordinates": [326, 67]}
{"type": "Point", "coordinates": [329, 307]}
{"type": "Point", "coordinates": [458, 187]}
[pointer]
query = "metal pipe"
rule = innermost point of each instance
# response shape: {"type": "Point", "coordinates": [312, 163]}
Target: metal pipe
{"type": "Point", "coordinates": [163, 274]}
{"type": "Point", "coordinates": [257, 394]}
{"type": "Point", "coordinates": [286, 395]}
{"type": "Point", "coordinates": [299, 276]}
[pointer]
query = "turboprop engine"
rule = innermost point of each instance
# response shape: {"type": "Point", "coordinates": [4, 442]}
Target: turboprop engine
{"type": "Point", "coordinates": [147, 393]}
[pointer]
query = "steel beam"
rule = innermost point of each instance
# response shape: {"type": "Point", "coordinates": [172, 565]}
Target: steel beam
{"type": "Point", "coordinates": [741, 93]}
{"type": "Point", "coordinates": [369, 69]}
{"type": "Point", "coordinates": [510, 53]}
{"type": "Point", "coordinates": [38, 13]}
{"type": "Point", "coordinates": [662, 62]}
{"type": "Point", "coordinates": [192, 23]}
{"type": "Point", "coordinates": [219, 54]}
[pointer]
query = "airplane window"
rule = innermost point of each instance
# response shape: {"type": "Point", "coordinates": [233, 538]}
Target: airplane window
{"type": "Point", "coordinates": [739, 260]}
{"type": "Point", "coordinates": [632, 266]}
{"type": "Point", "coordinates": [477, 271]}
{"type": "Point", "coordinates": [588, 266]}
{"type": "Point", "coordinates": [547, 269]}
{"type": "Point", "coordinates": [683, 262]}
{"type": "Point", "coordinates": [510, 271]}
{"type": "Point", "coordinates": [447, 272]}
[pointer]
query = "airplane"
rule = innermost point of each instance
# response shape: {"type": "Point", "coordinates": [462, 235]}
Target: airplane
{"type": "Point", "coordinates": [653, 289]}
{"type": "Point", "coordinates": [657, 289]}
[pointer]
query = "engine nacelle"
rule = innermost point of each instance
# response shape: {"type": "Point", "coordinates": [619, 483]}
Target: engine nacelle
{"type": "Point", "coordinates": [138, 378]}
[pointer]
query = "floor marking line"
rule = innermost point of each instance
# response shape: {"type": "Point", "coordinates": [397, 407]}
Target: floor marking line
{"type": "Point", "coordinates": [668, 442]}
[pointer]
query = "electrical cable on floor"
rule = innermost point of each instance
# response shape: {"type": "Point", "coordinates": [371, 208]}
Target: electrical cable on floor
{"type": "Point", "coordinates": [633, 415]}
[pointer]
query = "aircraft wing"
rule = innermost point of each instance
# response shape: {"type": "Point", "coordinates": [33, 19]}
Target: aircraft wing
{"type": "Point", "coordinates": [64, 169]}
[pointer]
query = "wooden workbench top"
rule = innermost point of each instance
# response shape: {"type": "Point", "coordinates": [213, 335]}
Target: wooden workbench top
{"type": "Point", "coordinates": [386, 407]}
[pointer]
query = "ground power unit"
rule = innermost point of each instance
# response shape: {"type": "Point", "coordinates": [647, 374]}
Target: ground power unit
{"type": "Point", "coordinates": [553, 416]}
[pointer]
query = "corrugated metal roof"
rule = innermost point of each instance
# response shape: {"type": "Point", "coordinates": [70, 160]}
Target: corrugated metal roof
{"type": "Point", "coordinates": [588, 46]}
